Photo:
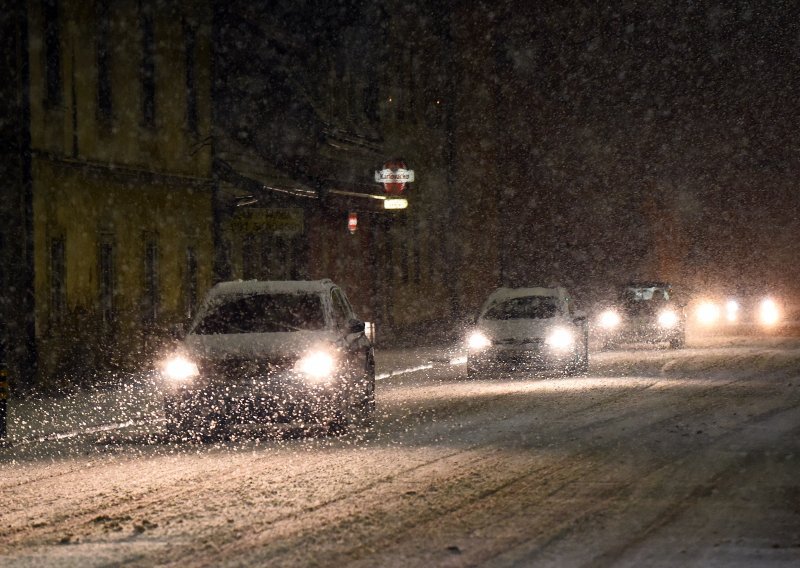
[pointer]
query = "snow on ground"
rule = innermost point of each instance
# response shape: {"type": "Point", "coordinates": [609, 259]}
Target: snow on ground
{"type": "Point", "coordinates": [137, 401]}
{"type": "Point", "coordinates": [684, 457]}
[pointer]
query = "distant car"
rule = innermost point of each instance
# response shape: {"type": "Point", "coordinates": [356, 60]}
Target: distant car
{"type": "Point", "coordinates": [270, 351]}
{"type": "Point", "coordinates": [737, 312]}
{"type": "Point", "coordinates": [644, 312]}
{"type": "Point", "coordinates": [528, 328]}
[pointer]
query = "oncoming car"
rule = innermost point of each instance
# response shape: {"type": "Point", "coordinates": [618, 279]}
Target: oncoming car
{"type": "Point", "coordinates": [528, 328]}
{"type": "Point", "coordinates": [738, 313]}
{"type": "Point", "coordinates": [270, 351]}
{"type": "Point", "coordinates": [645, 312]}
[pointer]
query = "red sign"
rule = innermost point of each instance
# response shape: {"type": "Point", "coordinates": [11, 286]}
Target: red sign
{"type": "Point", "coordinates": [394, 176]}
{"type": "Point", "coordinates": [352, 222]}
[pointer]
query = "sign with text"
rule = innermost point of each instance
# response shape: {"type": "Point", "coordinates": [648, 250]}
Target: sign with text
{"type": "Point", "coordinates": [394, 176]}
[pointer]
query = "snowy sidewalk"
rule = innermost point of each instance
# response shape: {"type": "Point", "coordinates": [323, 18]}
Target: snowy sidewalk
{"type": "Point", "coordinates": [139, 401]}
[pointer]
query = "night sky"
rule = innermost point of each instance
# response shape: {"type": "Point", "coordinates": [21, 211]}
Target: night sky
{"type": "Point", "coordinates": [654, 124]}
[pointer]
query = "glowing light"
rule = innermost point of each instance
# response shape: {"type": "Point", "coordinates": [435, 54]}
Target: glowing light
{"type": "Point", "coordinates": [610, 319]}
{"type": "Point", "coordinates": [732, 310]}
{"type": "Point", "coordinates": [180, 368]}
{"type": "Point", "coordinates": [561, 339]}
{"type": "Point", "coordinates": [395, 203]}
{"type": "Point", "coordinates": [477, 341]}
{"type": "Point", "coordinates": [668, 319]}
{"type": "Point", "coordinates": [768, 312]}
{"type": "Point", "coordinates": [316, 365]}
{"type": "Point", "coordinates": [708, 313]}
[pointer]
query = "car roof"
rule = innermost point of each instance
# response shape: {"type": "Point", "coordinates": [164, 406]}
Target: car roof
{"type": "Point", "coordinates": [250, 287]}
{"type": "Point", "coordinates": [506, 293]}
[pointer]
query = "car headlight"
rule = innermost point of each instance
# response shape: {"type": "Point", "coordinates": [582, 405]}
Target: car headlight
{"type": "Point", "coordinates": [708, 313]}
{"type": "Point", "coordinates": [179, 368]}
{"type": "Point", "coordinates": [668, 318]}
{"type": "Point", "coordinates": [316, 365]}
{"type": "Point", "coordinates": [609, 319]}
{"type": "Point", "coordinates": [560, 339]}
{"type": "Point", "coordinates": [768, 312]}
{"type": "Point", "coordinates": [477, 341]}
{"type": "Point", "coordinates": [732, 310]}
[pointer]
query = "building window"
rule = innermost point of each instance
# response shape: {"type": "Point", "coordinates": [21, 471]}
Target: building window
{"type": "Point", "coordinates": [147, 69]}
{"type": "Point", "coordinates": [107, 270]}
{"type": "Point", "coordinates": [151, 296]}
{"type": "Point", "coordinates": [190, 284]}
{"type": "Point", "coordinates": [52, 53]}
{"type": "Point", "coordinates": [58, 279]}
{"type": "Point", "coordinates": [104, 101]}
{"type": "Point", "coordinates": [190, 41]}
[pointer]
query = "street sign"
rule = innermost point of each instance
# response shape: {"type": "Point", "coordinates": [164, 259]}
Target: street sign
{"type": "Point", "coordinates": [394, 176]}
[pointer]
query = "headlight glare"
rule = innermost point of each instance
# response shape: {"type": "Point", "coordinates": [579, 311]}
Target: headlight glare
{"type": "Point", "coordinates": [768, 312]}
{"type": "Point", "coordinates": [668, 319]}
{"type": "Point", "coordinates": [708, 313]}
{"type": "Point", "coordinates": [732, 310]}
{"type": "Point", "coordinates": [316, 365]}
{"type": "Point", "coordinates": [477, 341]}
{"type": "Point", "coordinates": [609, 319]}
{"type": "Point", "coordinates": [179, 368]}
{"type": "Point", "coordinates": [561, 339]}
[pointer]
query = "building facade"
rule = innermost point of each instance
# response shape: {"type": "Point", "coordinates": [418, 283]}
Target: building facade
{"type": "Point", "coordinates": [119, 185]}
{"type": "Point", "coordinates": [157, 147]}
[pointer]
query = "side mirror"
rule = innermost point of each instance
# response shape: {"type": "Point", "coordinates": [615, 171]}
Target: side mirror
{"type": "Point", "coordinates": [356, 326]}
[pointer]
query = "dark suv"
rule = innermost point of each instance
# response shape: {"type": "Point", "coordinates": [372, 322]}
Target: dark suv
{"type": "Point", "coordinates": [274, 351]}
{"type": "Point", "coordinates": [644, 312]}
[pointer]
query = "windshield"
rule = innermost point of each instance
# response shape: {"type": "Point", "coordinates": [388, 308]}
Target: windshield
{"type": "Point", "coordinates": [527, 307]}
{"type": "Point", "coordinates": [264, 313]}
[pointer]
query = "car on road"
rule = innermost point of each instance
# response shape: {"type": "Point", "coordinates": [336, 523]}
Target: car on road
{"type": "Point", "coordinates": [270, 351]}
{"type": "Point", "coordinates": [528, 328]}
{"type": "Point", "coordinates": [644, 312]}
{"type": "Point", "coordinates": [738, 311]}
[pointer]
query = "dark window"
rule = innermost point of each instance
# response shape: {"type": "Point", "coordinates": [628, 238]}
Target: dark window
{"type": "Point", "coordinates": [148, 65]}
{"type": "Point", "coordinates": [190, 39]}
{"type": "Point", "coordinates": [58, 279]}
{"type": "Point", "coordinates": [190, 286]}
{"type": "Point", "coordinates": [264, 313]}
{"type": "Point", "coordinates": [52, 52]}
{"type": "Point", "coordinates": [107, 283]}
{"type": "Point", "coordinates": [150, 299]}
{"type": "Point", "coordinates": [104, 104]}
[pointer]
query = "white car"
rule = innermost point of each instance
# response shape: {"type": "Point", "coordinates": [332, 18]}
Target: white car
{"type": "Point", "coordinates": [274, 351]}
{"type": "Point", "coordinates": [528, 328]}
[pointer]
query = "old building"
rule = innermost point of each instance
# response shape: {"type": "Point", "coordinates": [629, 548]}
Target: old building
{"type": "Point", "coordinates": [119, 187]}
{"type": "Point", "coordinates": [161, 146]}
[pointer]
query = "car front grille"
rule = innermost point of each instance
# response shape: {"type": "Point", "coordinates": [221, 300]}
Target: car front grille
{"type": "Point", "coordinates": [245, 367]}
{"type": "Point", "coordinates": [532, 342]}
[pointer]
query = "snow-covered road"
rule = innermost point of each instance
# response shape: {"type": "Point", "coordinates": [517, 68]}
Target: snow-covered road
{"type": "Point", "coordinates": [657, 458]}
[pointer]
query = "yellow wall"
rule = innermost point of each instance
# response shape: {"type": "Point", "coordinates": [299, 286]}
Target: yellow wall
{"type": "Point", "coordinates": [118, 178]}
